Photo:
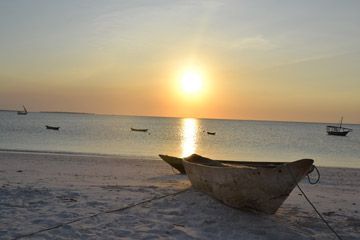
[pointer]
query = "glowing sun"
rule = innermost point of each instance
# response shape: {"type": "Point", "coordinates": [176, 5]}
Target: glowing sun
{"type": "Point", "coordinates": [191, 81]}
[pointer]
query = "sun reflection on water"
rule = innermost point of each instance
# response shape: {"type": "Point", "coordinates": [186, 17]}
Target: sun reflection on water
{"type": "Point", "coordinates": [189, 136]}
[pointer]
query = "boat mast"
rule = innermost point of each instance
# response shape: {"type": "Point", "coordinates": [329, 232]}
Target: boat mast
{"type": "Point", "coordinates": [341, 121]}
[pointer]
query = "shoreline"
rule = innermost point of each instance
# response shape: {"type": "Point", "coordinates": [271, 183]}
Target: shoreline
{"type": "Point", "coordinates": [40, 191]}
{"type": "Point", "coordinates": [81, 154]}
{"type": "Point", "coordinates": [121, 156]}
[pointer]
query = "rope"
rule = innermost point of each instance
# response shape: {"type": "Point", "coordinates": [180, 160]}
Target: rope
{"type": "Point", "coordinates": [173, 170]}
{"type": "Point", "coordinates": [99, 213]}
{"type": "Point", "coordinates": [318, 173]}
{"type": "Point", "coordinates": [312, 205]}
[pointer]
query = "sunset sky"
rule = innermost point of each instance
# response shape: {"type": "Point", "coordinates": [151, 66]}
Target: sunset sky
{"type": "Point", "coordinates": [266, 60]}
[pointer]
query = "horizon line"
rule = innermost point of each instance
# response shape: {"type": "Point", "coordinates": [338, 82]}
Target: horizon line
{"type": "Point", "coordinates": [205, 118]}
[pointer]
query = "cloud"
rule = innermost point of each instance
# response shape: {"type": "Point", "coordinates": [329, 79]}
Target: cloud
{"type": "Point", "coordinates": [253, 43]}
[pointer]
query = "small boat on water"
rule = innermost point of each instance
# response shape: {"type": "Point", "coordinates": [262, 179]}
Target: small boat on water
{"type": "Point", "coordinates": [177, 163]}
{"type": "Point", "coordinates": [139, 129]}
{"type": "Point", "coordinates": [23, 112]}
{"type": "Point", "coordinates": [211, 133]}
{"type": "Point", "coordinates": [52, 127]}
{"type": "Point", "coordinates": [259, 187]}
{"type": "Point", "coordinates": [338, 130]}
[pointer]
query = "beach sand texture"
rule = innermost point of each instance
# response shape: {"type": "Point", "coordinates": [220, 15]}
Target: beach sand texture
{"type": "Point", "coordinates": [40, 191]}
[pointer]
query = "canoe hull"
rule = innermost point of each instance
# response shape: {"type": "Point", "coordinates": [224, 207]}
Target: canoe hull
{"type": "Point", "coordinates": [174, 162]}
{"type": "Point", "coordinates": [254, 188]}
{"type": "Point", "coordinates": [139, 129]}
{"type": "Point", "coordinates": [52, 128]}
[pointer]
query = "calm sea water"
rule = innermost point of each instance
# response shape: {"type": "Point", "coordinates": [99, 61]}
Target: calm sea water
{"type": "Point", "coordinates": [234, 140]}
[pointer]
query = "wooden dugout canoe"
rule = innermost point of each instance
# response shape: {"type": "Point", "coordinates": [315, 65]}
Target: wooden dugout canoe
{"type": "Point", "coordinates": [258, 187]}
{"type": "Point", "coordinates": [174, 162]}
{"type": "Point", "coordinates": [52, 127]}
{"type": "Point", "coordinates": [177, 163]}
{"type": "Point", "coordinates": [139, 129]}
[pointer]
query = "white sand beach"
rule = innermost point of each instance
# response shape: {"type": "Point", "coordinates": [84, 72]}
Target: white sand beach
{"type": "Point", "coordinates": [59, 196]}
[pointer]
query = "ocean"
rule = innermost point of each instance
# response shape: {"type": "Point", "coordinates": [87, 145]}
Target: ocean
{"type": "Point", "coordinates": [234, 139]}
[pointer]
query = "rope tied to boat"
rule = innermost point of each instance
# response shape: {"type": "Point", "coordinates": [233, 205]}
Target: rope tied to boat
{"type": "Point", "coordinates": [309, 201]}
{"type": "Point", "coordinates": [100, 213]}
{"type": "Point", "coordinates": [318, 175]}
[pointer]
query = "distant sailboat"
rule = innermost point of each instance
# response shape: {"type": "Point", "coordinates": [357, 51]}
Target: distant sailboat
{"type": "Point", "coordinates": [338, 130]}
{"type": "Point", "coordinates": [23, 112]}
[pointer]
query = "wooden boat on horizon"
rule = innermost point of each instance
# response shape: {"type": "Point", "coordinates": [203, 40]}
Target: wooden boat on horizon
{"type": "Point", "coordinates": [52, 127]}
{"type": "Point", "coordinates": [139, 129]}
{"type": "Point", "coordinates": [211, 133]}
{"type": "Point", "coordinates": [257, 188]}
{"type": "Point", "coordinates": [177, 163]}
{"type": "Point", "coordinates": [23, 112]}
{"type": "Point", "coordinates": [338, 130]}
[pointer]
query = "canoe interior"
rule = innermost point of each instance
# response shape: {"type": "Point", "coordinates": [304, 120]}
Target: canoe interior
{"type": "Point", "coordinates": [228, 163]}
{"type": "Point", "coordinates": [177, 163]}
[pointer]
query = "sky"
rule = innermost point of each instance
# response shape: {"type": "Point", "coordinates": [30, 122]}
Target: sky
{"type": "Point", "coordinates": [261, 60]}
